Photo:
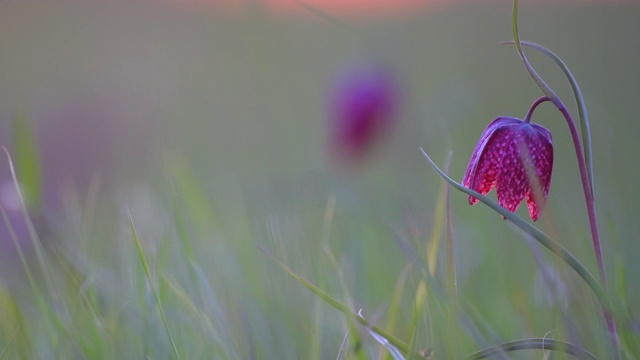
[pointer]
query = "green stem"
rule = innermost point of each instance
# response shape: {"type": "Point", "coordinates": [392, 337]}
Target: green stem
{"type": "Point", "coordinates": [585, 175]}
{"type": "Point", "coordinates": [540, 236]}
{"type": "Point", "coordinates": [585, 128]}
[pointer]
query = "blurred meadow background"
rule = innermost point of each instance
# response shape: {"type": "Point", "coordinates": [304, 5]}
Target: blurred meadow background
{"type": "Point", "coordinates": [217, 127]}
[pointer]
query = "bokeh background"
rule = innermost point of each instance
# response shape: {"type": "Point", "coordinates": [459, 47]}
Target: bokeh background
{"type": "Point", "coordinates": [212, 122]}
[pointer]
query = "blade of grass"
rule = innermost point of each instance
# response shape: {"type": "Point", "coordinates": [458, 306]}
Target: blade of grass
{"type": "Point", "coordinates": [541, 237]}
{"type": "Point", "coordinates": [396, 298]}
{"type": "Point", "coordinates": [343, 346]}
{"type": "Point", "coordinates": [13, 337]}
{"type": "Point", "coordinates": [354, 334]}
{"type": "Point", "coordinates": [145, 265]}
{"type": "Point", "coordinates": [436, 230]}
{"type": "Point", "coordinates": [27, 159]}
{"type": "Point", "coordinates": [452, 284]}
{"type": "Point", "coordinates": [533, 344]}
{"type": "Point", "coordinates": [49, 310]}
{"type": "Point", "coordinates": [420, 300]}
{"type": "Point", "coordinates": [316, 337]}
{"type": "Point", "coordinates": [42, 305]}
{"type": "Point", "coordinates": [335, 303]}
{"type": "Point", "coordinates": [587, 180]}
{"type": "Point", "coordinates": [33, 235]}
{"type": "Point", "coordinates": [395, 353]}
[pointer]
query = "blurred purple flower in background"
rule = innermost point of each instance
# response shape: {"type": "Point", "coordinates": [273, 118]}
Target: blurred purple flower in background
{"type": "Point", "coordinates": [498, 161]}
{"type": "Point", "coordinates": [82, 140]}
{"type": "Point", "coordinates": [363, 108]}
{"type": "Point", "coordinates": [91, 135]}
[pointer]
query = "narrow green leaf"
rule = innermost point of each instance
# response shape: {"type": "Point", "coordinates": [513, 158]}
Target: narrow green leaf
{"type": "Point", "coordinates": [336, 304]}
{"type": "Point", "coordinates": [541, 237]}
{"type": "Point", "coordinates": [418, 307]}
{"type": "Point", "coordinates": [27, 159]}
{"type": "Point", "coordinates": [145, 265]}
{"type": "Point", "coordinates": [395, 353]}
{"type": "Point", "coordinates": [533, 344]}
{"type": "Point", "coordinates": [393, 312]}
{"type": "Point", "coordinates": [39, 251]}
{"type": "Point", "coordinates": [13, 337]}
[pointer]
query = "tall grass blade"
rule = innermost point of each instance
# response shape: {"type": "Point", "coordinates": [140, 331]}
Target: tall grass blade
{"type": "Point", "coordinates": [395, 353]}
{"type": "Point", "coordinates": [533, 344]}
{"type": "Point", "coordinates": [145, 265]}
{"type": "Point", "coordinates": [13, 337]}
{"type": "Point", "coordinates": [27, 159]}
{"type": "Point", "coordinates": [335, 303]}
{"type": "Point", "coordinates": [541, 237]}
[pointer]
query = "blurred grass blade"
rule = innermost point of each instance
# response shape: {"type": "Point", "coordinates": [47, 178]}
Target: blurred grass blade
{"type": "Point", "coordinates": [393, 311]}
{"type": "Point", "coordinates": [533, 344]}
{"type": "Point", "coordinates": [13, 337]}
{"type": "Point", "coordinates": [410, 251]}
{"type": "Point", "coordinates": [335, 303]}
{"type": "Point", "coordinates": [585, 128]}
{"type": "Point", "coordinates": [145, 265]}
{"type": "Point", "coordinates": [420, 300]}
{"type": "Point", "coordinates": [451, 277]}
{"type": "Point", "coordinates": [395, 353]}
{"type": "Point", "coordinates": [351, 317]}
{"type": "Point", "coordinates": [43, 306]}
{"type": "Point", "coordinates": [343, 346]}
{"type": "Point", "coordinates": [436, 230]}
{"type": "Point", "coordinates": [541, 237]}
{"type": "Point", "coordinates": [35, 240]}
{"type": "Point", "coordinates": [27, 159]}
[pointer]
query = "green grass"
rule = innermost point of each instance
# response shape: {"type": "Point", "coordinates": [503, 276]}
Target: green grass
{"type": "Point", "coordinates": [196, 261]}
{"type": "Point", "coordinates": [181, 285]}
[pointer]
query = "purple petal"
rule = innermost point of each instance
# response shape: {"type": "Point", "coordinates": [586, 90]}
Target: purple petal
{"type": "Point", "coordinates": [482, 171]}
{"type": "Point", "coordinates": [541, 151]}
{"type": "Point", "coordinates": [512, 180]}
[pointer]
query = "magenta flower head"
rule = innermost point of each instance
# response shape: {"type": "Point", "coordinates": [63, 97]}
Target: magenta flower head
{"type": "Point", "coordinates": [508, 156]}
{"type": "Point", "coordinates": [363, 106]}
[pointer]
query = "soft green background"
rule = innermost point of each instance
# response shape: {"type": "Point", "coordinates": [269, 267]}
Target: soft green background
{"type": "Point", "coordinates": [225, 116]}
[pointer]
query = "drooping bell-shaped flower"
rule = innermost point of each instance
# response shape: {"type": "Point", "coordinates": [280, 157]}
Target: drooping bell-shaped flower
{"type": "Point", "coordinates": [515, 157]}
{"type": "Point", "coordinates": [363, 106]}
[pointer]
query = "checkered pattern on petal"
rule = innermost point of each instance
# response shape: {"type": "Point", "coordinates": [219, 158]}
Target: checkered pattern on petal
{"type": "Point", "coordinates": [517, 159]}
{"type": "Point", "coordinates": [482, 171]}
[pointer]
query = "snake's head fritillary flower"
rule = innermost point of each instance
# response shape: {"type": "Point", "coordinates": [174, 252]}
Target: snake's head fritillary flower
{"type": "Point", "coordinates": [510, 154]}
{"type": "Point", "coordinates": [363, 106]}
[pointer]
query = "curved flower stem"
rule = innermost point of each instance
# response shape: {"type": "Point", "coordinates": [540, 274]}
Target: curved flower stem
{"type": "Point", "coordinates": [584, 176]}
{"type": "Point", "coordinates": [533, 107]}
{"type": "Point", "coordinates": [582, 109]}
{"type": "Point", "coordinates": [586, 184]}
{"type": "Point", "coordinates": [593, 223]}
{"type": "Point", "coordinates": [547, 242]}
{"type": "Point", "coordinates": [536, 233]}
{"type": "Point", "coordinates": [588, 195]}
